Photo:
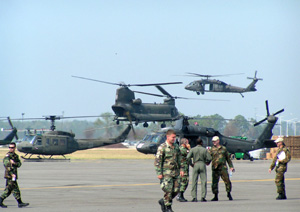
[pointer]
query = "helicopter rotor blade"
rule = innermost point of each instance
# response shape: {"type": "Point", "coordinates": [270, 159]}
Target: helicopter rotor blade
{"type": "Point", "coordinates": [111, 83]}
{"type": "Point", "coordinates": [152, 94]}
{"type": "Point", "coordinates": [163, 91]}
{"type": "Point", "coordinates": [280, 111]}
{"type": "Point", "coordinates": [261, 121]}
{"type": "Point", "coordinates": [10, 123]}
{"type": "Point", "coordinates": [267, 108]}
{"type": "Point", "coordinates": [207, 76]}
{"type": "Point", "coordinates": [130, 121]}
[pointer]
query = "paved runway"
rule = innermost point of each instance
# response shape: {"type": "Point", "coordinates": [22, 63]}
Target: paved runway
{"type": "Point", "coordinates": [131, 185]}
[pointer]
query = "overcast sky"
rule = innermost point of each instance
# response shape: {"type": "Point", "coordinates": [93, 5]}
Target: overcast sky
{"type": "Point", "coordinates": [44, 43]}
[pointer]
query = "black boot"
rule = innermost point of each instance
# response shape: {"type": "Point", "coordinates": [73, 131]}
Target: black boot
{"type": "Point", "coordinates": [169, 209]}
{"type": "Point", "coordinates": [229, 196]}
{"type": "Point", "coordinates": [22, 204]}
{"type": "Point", "coordinates": [181, 197]}
{"type": "Point", "coordinates": [1, 203]}
{"type": "Point", "coordinates": [194, 200]}
{"type": "Point", "coordinates": [203, 199]}
{"type": "Point", "coordinates": [215, 198]}
{"type": "Point", "coordinates": [162, 205]}
{"type": "Point", "coordinates": [281, 196]}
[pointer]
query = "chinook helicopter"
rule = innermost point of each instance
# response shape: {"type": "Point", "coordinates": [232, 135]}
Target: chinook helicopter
{"type": "Point", "coordinates": [62, 143]}
{"type": "Point", "coordinates": [150, 142]}
{"type": "Point", "coordinates": [128, 108]}
{"type": "Point", "coordinates": [13, 134]}
{"type": "Point", "coordinates": [214, 85]}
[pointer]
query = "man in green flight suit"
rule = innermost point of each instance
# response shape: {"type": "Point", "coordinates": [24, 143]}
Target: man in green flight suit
{"type": "Point", "coordinates": [283, 156]}
{"type": "Point", "coordinates": [220, 156]}
{"type": "Point", "coordinates": [11, 162]}
{"type": "Point", "coordinates": [201, 158]}
{"type": "Point", "coordinates": [168, 166]}
{"type": "Point", "coordinates": [184, 180]}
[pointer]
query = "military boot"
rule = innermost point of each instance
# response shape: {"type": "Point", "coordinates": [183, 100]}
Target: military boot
{"type": "Point", "coordinates": [169, 209]}
{"type": "Point", "coordinates": [281, 196]}
{"type": "Point", "coordinates": [22, 204]}
{"type": "Point", "coordinates": [215, 198]}
{"type": "Point", "coordinates": [1, 203]}
{"type": "Point", "coordinates": [162, 205]}
{"type": "Point", "coordinates": [181, 197]}
{"type": "Point", "coordinates": [229, 196]}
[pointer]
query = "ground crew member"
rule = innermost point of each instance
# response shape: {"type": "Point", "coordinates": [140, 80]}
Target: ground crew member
{"type": "Point", "coordinates": [11, 163]}
{"type": "Point", "coordinates": [184, 180]}
{"type": "Point", "coordinates": [220, 156]}
{"type": "Point", "coordinates": [280, 161]}
{"type": "Point", "coordinates": [201, 158]}
{"type": "Point", "coordinates": [168, 168]}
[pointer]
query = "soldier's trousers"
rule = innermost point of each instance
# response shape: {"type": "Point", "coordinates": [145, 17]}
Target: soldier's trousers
{"type": "Point", "coordinates": [184, 182]}
{"type": "Point", "coordinates": [279, 181]}
{"type": "Point", "coordinates": [216, 173]}
{"type": "Point", "coordinates": [199, 169]}
{"type": "Point", "coordinates": [170, 185]}
{"type": "Point", "coordinates": [11, 187]}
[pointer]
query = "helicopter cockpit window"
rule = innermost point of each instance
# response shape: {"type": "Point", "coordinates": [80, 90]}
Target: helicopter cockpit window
{"type": "Point", "coordinates": [55, 142]}
{"type": "Point", "coordinates": [28, 138]}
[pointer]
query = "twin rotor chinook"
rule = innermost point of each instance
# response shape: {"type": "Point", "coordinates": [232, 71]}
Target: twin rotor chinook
{"type": "Point", "coordinates": [128, 108]}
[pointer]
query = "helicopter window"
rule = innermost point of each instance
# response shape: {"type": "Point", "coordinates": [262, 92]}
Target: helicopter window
{"type": "Point", "coordinates": [28, 138]}
{"type": "Point", "coordinates": [147, 138]}
{"type": "Point", "coordinates": [48, 141]}
{"type": "Point", "coordinates": [55, 142]}
{"type": "Point", "coordinates": [62, 142]}
{"type": "Point", "coordinates": [38, 141]}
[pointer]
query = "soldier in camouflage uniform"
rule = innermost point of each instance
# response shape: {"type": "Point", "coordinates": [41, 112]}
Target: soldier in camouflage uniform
{"type": "Point", "coordinates": [168, 167]}
{"type": "Point", "coordinates": [201, 158]}
{"type": "Point", "coordinates": [184, 180]}
{"type": "Point", "coordinates": [283, 156]}
{"type": "Point", "coordinates": [11, 162]}
{"type": "Point", "coordinates": [220, 156]}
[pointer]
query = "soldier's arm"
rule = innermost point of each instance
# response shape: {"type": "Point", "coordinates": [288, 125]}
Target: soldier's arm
{"type": "Point", "coordinates": [7, 165]}
{"type": "Point", "coordinates": [273, 162]}
{"type": "Point", "coordinates": [158, 161]}
{"type": "Point", "coordinates": [287, 156]}
{"type": "Point", "coordinates": [208, 158]}
{"type": "Point", "coordinates": [17, 162]}
{"type": "Point", "coordinates": [228, 159]}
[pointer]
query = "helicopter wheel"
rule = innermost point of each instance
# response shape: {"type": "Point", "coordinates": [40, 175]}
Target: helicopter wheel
{"type": "Point", "coordinates": [232, 156]}
{"type": "Point", "coordinates": [136, 123]}
{"type": "Point", "coordinates": [145, 124]}
{"type": "Point", "coordinates": [117, 122]}
{"type": "Point", "coordinates": [163, 125]}
{"type": "Point", "coordinates": [198, 93]}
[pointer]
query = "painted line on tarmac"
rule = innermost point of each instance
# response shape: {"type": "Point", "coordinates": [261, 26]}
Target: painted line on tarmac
{"type": "Point", "coordinates": [142, 184]}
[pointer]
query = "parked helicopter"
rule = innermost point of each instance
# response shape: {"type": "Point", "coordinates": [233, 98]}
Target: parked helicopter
{"type": "Point", "coordinates": [214, 85]}
{"type": "Point", "coordinates": [62, 143]}
{"type": "Point", "coordinates": [13, 134]}
{"type": "Point", "coordinates": [150, 142]}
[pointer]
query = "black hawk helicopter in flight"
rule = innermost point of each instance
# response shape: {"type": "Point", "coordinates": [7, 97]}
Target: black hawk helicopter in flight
{"type": "Point", "coordinates": [13, 134]}
{"type": "Point", "coordinates": [150, 142]}
{"type": "Point", "coordinates": [60, 142]}
{"type": "Point", "coordinates": [214, 85]}
{"type": "Point", "coordinates": [128, 108]}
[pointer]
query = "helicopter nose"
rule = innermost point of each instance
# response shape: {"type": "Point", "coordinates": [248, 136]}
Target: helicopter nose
{"type": "Point", "coordinates": [188, 87]}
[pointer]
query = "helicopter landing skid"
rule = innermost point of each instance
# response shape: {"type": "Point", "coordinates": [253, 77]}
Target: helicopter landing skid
{"type": "Point", "coordinates": [43, 158]}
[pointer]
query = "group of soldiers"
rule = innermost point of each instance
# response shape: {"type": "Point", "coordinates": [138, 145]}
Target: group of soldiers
{"type": "Point", "coordinates": [172, 167]}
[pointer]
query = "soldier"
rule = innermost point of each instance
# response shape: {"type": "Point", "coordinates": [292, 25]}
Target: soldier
{"type": "Point", "coordinates": [168, 167]}
{"type": "Point", "coordinates": [11, 162]}
{"type": "Point", "coordinates": [201, 158]}
{"type": "Point", "coordinates": [220, 156]}
{"type": "Point", "coordinates": [283, 156]}
{"type": "Point", "coordinates": [184, 180]}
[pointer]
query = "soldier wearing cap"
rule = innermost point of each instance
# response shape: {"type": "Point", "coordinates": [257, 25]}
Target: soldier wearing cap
{"type": "Point", "coordinates": [280, 161]}
{"type": "Point", "coordinates": [220, 156]}
{"type": "Point", "coordinates": [11, 163]}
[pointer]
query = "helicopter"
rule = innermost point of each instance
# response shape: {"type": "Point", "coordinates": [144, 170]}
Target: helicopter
{"type": "Point", "coordinates": [60, 142]}
{"type": "Point", "coordinates": [13, 134]}
{"type": "Point", "coordinates": [128, 108]}
{"type": "Point", "coordinates": [150, 142]}
{"type": "Point", "coordinates": [214, 85]}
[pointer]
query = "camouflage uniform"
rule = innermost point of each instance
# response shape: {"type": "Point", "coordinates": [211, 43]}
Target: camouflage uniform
{"type": "Point", "coordinates": [168, 164]}
{"type": "Point", "coordinates": [201, 157]}
{"type": "Point", "coordinates": [280, 169]}
{"type": "Point", "coordinates": [184, 180]}
{"type": "Point", "coordinates": [10, 169]}
{"type": "Point", "coordinates": [220, 156]}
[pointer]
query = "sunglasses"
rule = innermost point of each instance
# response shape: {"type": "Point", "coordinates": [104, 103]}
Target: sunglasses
{"type": "Point", "coordinates": [11, 147]}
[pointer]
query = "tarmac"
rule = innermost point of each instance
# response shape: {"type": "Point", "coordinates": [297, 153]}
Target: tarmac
{"type": "Point", "coordinates": [132, 185]}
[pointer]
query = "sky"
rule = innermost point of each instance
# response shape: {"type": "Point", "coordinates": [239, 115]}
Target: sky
{"type": "Point", "coordinates": [44, 43]}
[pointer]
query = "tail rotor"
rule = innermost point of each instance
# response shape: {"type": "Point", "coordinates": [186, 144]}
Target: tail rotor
{"type": "Point", "coordinates": [268, 114]}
